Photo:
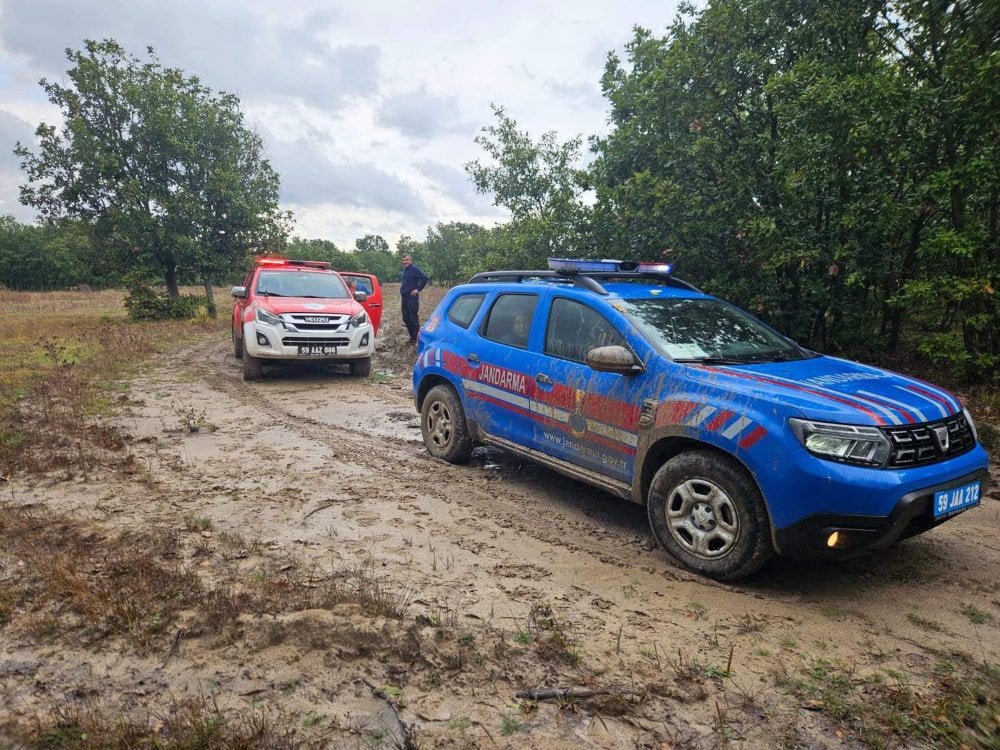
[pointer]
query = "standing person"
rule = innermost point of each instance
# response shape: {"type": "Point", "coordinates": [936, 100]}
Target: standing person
{"type": "Point", "coordinates": [414, 280]}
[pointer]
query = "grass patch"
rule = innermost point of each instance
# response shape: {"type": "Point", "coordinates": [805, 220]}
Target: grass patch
{"type": "Point", "coordinates": [62, 353]}
{"type": "Point", "coordinates": [509, 726]}
{"type": "Point", "coordinates": [70, 579]}
{"type": "Point", "coordinates": [552, 642]}
{"type": "Point", "coordinates": [977, 616]}
{"type": "Point", "coordinates": [957, 706]}
{"type": "Point", "coordinates": [922, 622]}
{"type": "Point", "coordinates": [184, 723]}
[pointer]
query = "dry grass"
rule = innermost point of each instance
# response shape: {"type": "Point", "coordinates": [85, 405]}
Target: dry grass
{"type": "Point", "coordinates": [61, 577]}
{"type": "Point", "coordinates": [181, 724]}
{"type": "Point", "coordinates": [957, 705]}
{"type": "Point", "coordinates": [62, 351]}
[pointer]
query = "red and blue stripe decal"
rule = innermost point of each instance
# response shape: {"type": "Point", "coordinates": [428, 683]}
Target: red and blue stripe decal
{"type": "Point", "coordinates": [881, 408]}
{"type": "Point", "coordinates": [604, 421]}
{"type": "Point", "coordinates": [709, 419]}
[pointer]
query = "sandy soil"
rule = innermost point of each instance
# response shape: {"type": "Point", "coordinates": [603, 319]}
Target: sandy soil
{"type": "Point", "coordinates": [491, 561]}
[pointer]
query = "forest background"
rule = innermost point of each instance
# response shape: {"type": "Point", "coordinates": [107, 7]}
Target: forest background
{"type": "Point", "coordinates": [833, 167]}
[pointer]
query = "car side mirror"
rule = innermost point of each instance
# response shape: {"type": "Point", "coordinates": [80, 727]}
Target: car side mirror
{"type": "Point", "coordinates": [616, 359]}
{"type": "Point", "coordinates": [240, 292]}
{"type": "Point", "coordinates": [360, 296]}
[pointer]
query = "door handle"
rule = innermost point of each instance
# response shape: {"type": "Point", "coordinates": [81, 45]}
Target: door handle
{"type": "Point", "coordinates": [474, 358]}
{"type": "Point", "coordinates": [375, 304]}
{"type": "Point", "coordinates": [543, 379]}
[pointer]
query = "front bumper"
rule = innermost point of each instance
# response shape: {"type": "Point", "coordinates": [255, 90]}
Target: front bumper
{"type": "Point", "coordinates": [858, 534]}
{"type": "Point", "coordinates": [329, 344]}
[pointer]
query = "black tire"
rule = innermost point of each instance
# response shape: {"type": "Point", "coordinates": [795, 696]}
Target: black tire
{"type": "Point", "coordinates": [706, 511]}
{"type": "Point", "coordinates": [237, 347]}
{"type": "Point", "coordinates": [360, 368]}
{"type": "Point", "coordinates": [443, 426]}
{"type": "Point", "coordinates": [253, 368]}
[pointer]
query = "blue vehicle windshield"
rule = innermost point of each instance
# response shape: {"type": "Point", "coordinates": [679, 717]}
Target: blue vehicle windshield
{"type": "Point", "coordinates": [708, 330]}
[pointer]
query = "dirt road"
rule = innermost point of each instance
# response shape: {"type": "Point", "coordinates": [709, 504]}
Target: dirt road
{"type": "Point", "coordinates": [494, 577]}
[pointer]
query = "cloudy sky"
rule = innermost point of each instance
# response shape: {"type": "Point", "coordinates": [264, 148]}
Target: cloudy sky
{"type": "Point", "coordinates": [368, 108]}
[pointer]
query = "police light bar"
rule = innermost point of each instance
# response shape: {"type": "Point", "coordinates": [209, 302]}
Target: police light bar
{"type": "Point", "coordinates": [649, 267]}
{"type": "Point", "coordinates": [274, 261]}
{"type": "Point", "coordinates": [584, 266]}
{"type": "Point", "coordinates": [575, 265]}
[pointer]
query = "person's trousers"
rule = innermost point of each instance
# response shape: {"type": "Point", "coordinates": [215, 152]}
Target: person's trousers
{"type": "Point", "coordinates": [411, 306]}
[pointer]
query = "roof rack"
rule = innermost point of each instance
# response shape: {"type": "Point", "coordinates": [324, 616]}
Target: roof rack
{"type": "Point", "coordinates": [521, 277]}
{"type": "Point", "coordinates": [585, 280]}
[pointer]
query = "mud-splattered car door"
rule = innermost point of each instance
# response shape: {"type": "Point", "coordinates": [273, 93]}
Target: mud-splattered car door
{"type": "Point", "coordinates": [500, 388]}
{"type": "Point", "coordinates": [590, 418]}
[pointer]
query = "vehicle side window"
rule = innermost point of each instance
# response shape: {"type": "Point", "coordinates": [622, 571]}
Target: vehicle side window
{"type": "Point", "coordinates": [574, 329]}
{"type": "Point", "coordinates": [362, 284]}
{"type": "Point", "coordinates": [464, 309]}
{"type": "Point", "coordinates": [509, 321]}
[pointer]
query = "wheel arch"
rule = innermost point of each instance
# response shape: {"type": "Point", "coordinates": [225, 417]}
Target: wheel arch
{"type": "Point", "coordinates": [430, 381]}
{"type": "Point", "coordinates": [665, 448]}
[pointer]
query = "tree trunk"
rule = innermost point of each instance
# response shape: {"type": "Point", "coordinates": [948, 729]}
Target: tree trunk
{"type": "Point", "coordinates": [907, 272]}
{"type": "Point", "coordinates": [170, 279]}
{"type": "Point", "coordinates": [210, 296]}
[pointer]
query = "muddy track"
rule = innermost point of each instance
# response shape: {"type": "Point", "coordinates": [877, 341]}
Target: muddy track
{"type": "Point", "coordinates": [518, 506]}
{"type": "Point", "coordinates": [315, 472]}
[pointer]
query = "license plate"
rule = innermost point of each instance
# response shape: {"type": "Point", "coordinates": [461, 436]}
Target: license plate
{"type": "Point", "coordinates": [956, 499]}
{"type": "Point", "coordinates": [315, 350]}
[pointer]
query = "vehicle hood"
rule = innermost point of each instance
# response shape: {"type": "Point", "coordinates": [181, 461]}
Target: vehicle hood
{"type": "Point", "coordinates": [306, 305]}
{"type": "Point", "coordinates": [835, 390]}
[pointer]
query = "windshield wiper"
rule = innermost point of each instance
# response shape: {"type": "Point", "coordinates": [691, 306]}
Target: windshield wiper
{"type": "Point", "coordinates": [711, 361]}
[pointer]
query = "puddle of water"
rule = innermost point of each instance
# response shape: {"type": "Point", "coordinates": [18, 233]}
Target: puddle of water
{"type": "Point", "coordinates": [494, 459]}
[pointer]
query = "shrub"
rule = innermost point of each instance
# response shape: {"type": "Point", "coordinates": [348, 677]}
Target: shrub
{"type": "Point", "coordinates": [145, 303]}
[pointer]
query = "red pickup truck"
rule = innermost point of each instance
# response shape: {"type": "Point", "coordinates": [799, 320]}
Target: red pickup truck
{"type": "Point", "coordinates": [304, 310]}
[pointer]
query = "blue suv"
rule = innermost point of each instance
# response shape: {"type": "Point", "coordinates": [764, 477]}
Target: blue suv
{"type": "Point", "coordinates": [740, 443]}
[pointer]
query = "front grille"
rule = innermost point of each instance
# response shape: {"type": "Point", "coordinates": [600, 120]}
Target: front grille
{"type": "Point", "coordinates": [916, 445]}
{"type": "Point", "coordinates": [303, 322]}
{"type": "Point", "coordinates": [315, 341]}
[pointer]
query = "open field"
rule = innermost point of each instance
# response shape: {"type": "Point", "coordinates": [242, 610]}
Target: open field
{"type": "Point", "coordinates": [188, 560]}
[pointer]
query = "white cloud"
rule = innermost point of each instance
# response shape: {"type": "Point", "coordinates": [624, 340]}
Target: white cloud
{"type": "Point", "coordinates": [368, 110]}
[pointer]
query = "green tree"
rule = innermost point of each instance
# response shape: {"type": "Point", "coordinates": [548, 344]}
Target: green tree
{"type": "Point", "coordinates": [373, 256]}
{"type": "Point", "coordinates": [539, 183]}
{"type": "Point", "coordinates": [165, 170]}
{"type": "Point", "coordinates": [50, 256]}
{"type": "Point", "coordinates": [697, 169]}
{"type": "Point", "coordinates": [341, 260]}
{"type": "Point", "coordinates": [451, 248]}
{"type": "Point", "coordinates": [830, 165]}
{"type": "Point", "coordinates": [946, 281]}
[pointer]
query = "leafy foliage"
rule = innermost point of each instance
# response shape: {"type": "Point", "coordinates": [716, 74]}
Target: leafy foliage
{"type": "Point", "coordinates": [50, 256]}
{"type": "Point", "coordinates": [832, 166]}
{"type": "Point", "coordinates": [539, 184]}
{"type": "Point", "coordinates": [163, 169]}
{"type": "Point", "coordinates": [143, 302]}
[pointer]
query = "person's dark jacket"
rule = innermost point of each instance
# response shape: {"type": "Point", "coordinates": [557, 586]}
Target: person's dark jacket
{"type": "Point", "coordinates": [413, 278]}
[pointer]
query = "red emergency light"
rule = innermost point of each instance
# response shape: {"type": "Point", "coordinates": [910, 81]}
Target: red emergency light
{"type": "Point", "coordinates": [271, 261]}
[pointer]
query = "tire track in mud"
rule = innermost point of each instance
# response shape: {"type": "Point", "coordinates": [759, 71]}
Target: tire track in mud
{"type": "Point", "coordinates": [523, 511]}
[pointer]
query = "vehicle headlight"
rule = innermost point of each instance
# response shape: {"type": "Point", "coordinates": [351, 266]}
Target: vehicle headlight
{"type": "Point", "coordinates": [972, 425]}
{"type": "Point", "coordinates": [359, 320]}
{"type": "Point", "coordinates": [851, 444]}
{"type": "Point", "coordinates": [268, 318]}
